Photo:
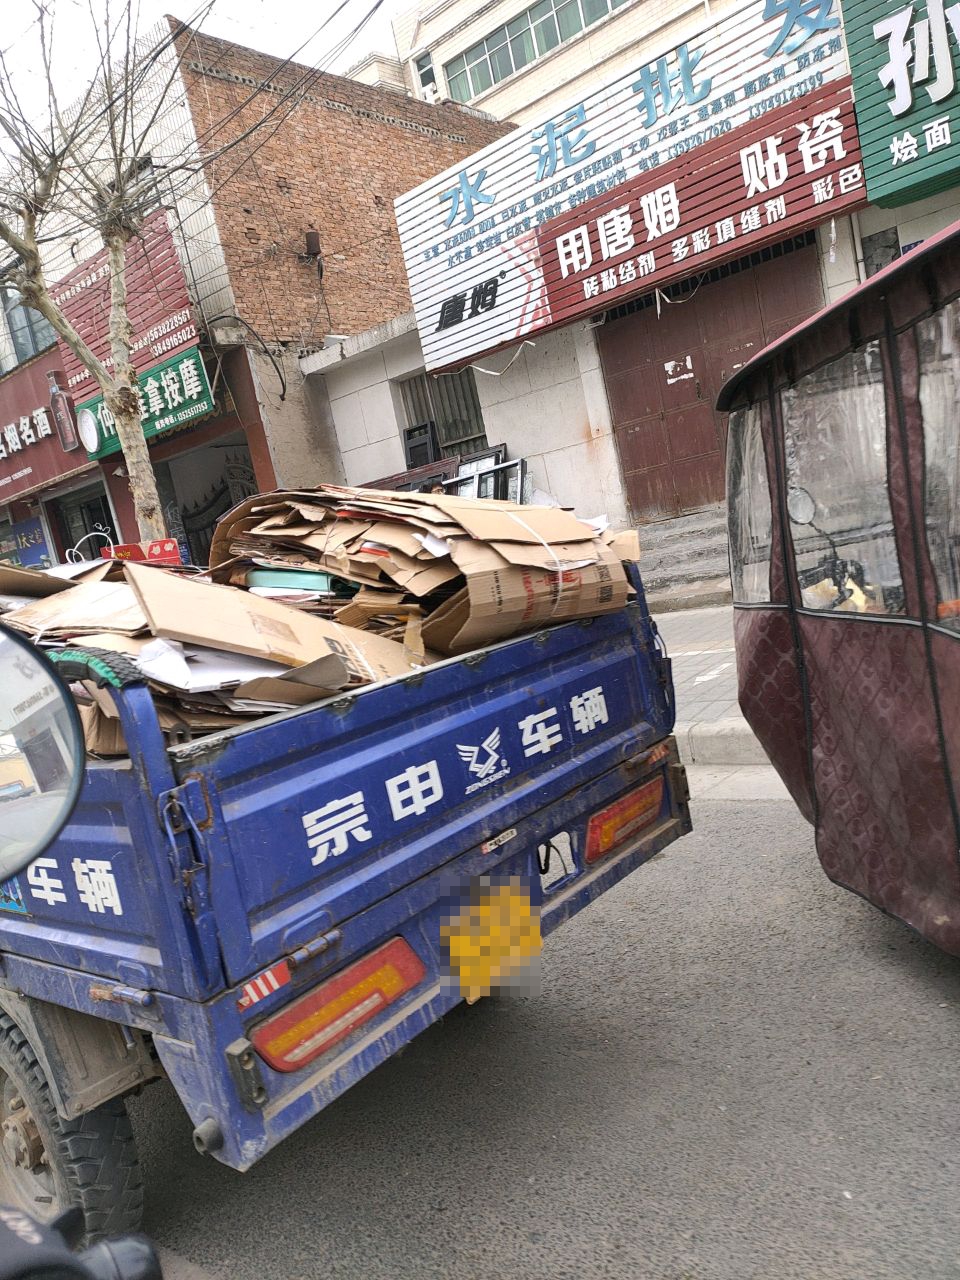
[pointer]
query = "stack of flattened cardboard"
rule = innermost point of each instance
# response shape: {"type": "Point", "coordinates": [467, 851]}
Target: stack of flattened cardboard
{"type": "Point", "coordinates": [479, 571]}
{"type": "Point", "coordinates": [213, 656]}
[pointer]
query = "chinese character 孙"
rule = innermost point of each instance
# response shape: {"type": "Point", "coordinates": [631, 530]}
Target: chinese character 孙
{"type": "Point", "coordinates": [538, 735]}
{"type": "Point", "coordinates": [763, 172]}
{"type": "Point", "coordinates": [573, 251]}
{"type": "Point", "coordinates": [330, 827]}
{"type": "Point", "coordinates": [464, 196]}
{"type": "Point", "coordinates": [800, 20]}
{"type": "Point", "coordinates": [563, 140]}
{"type": "Point", "coordinates": [616, 232]}
{"type": "Point", "coordinates": [192, 382]}
{"type": "Point", "coordinates": [41, 421]}
{"type": "Point", "coordinates": [821, 140]}
{"type": "Point", "coordinates": [48, 888]}
{"type": "Point", "coordinates": [662, 86]}
{"type": "Point", "coordinates": [484, 296]}
{"type": "Point", "coordinates": [903, 148]}
{"type": "Point", "coordinates": [929, 35]}
{"type": "Point", "coordinates": [661, 210]}
{"type": "Point", "coordinates": [414, 790]}
{"type": "Point", "coordinates": [97, 885]}
{"type": "Point", "coordinates": [451, 311]}
{"type": "Point", "coordinates": [589, 709]}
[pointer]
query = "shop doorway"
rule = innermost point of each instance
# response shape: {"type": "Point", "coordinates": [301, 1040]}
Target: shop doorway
{"type": "Point", "coordinates": [199, 486]}
{"type": "Point", "coordinates": [663, 372]}
{"type": "Point", "coordinates": [83, 519]}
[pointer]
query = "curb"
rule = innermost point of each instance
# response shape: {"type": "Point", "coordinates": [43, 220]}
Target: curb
{"type": "Point", "coordinates": [719, 742]}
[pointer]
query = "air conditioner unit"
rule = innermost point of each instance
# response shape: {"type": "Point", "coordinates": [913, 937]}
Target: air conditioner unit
{"type": "Point", "coordinates": [430, 92]}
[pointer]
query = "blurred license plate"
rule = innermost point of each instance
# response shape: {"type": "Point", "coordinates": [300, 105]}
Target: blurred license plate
{"type": "Point", "coordinates": [493, 937]}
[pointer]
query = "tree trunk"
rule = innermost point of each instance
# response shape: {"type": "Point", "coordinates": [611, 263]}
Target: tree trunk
{"type": "Point", "coordinates": [122, 401]}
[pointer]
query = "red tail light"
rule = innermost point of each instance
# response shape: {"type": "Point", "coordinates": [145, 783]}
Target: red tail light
{"type": "Point", "coordinates": [317, 1021]}
{"type": "Point", "coordinates": [616, 824]}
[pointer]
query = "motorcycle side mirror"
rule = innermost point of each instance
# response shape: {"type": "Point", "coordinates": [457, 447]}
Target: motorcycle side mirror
{"type": "Point", "coordinates": [41, 753]}
{"type": "Point", "coordinates": [801, 507]}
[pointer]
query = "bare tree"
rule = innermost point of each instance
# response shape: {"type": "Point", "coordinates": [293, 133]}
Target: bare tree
{"type": "Point", "coordinates": [75, 172]}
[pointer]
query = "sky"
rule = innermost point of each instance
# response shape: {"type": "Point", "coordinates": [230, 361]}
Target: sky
{"type": "Point", "coordinates": [272, 26]}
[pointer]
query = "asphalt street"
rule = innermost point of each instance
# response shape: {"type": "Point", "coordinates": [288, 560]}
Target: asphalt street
{"type": "Point", "coordinates": [734, 1070]}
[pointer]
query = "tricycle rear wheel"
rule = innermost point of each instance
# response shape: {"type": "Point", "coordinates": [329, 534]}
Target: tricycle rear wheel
{"type": "Point", "coordinates": [48, 1164]}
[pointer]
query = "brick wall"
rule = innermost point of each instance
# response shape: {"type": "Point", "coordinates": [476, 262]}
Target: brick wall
{"type": "Point", "coordinates": [332, 155]}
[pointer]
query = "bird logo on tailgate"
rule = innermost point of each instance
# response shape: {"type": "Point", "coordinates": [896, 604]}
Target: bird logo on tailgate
{"type": "Point", "coordinates": [482, 764]}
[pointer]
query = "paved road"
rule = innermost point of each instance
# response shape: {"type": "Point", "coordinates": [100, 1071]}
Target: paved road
{"type": "Point", "coordinates": [735, 1071]}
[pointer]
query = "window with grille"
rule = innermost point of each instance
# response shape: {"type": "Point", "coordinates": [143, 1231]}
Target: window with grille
{"type": "Point", "coordinates": [26, 332]}
{"type": "Point", "coordinates": [452, 404]}
{"type": "Point", "coordinates": [524, 39]}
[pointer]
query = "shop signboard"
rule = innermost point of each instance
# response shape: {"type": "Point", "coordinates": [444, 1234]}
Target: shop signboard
{"type": "Point", "coordinates": [24, 544]}
{"type": "Point", "coordinates": [31, 450]}
{"type": "Point", "coordinates": [905, 60]}
{"type": "Point", "coordinates": [763, 73]}
{"type": "Point", "coordinates": [772, 179]}
{"type": "Point", "coordinates": [158, 303]}
{"type": "Point", "coordinates": [174, 393]}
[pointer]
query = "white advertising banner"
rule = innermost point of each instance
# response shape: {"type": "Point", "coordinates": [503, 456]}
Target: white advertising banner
{"type": "Point", "coordinates": [470, 235]}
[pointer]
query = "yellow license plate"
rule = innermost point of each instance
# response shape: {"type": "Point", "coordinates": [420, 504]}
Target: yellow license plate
{"type": "Point", "coordinates": [493, 938]}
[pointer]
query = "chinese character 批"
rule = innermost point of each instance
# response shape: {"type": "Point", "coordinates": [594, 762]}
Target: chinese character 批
{"type": "Point", "coordinates": [664, 87]}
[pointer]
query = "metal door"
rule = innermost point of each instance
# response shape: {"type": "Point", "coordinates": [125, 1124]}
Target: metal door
{"type": "Point", "coordinates": [663, 374]}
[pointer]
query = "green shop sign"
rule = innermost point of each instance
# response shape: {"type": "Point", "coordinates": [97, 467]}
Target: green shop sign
{"type": "Point", "coordinates": [905, 60]}
{"type": "Point", "coordinates": [172, 394]}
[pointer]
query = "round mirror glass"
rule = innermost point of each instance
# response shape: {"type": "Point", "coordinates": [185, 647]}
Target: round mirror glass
{"type": "Point", "coordinates": [41, 755]}
{"type": "Point", "coordinates": [801, 507]}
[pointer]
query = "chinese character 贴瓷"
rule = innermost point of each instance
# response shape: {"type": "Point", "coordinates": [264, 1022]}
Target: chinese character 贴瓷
{"type": "Point", "coordinates": [415, 790]}
{"type": "Point", "coordinates": [764, 166]}
{"type": "Point", "coordinates": [330, 828]}
{"type": "Point", "coordinates": [563, 140]}
{"type": "Point", "coordinates": [821, 140]}
{"type": "Point", "coordinates": [540, 733]}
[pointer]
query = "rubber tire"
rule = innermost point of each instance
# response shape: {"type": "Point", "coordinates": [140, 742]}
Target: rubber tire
{"type": "Point", "coordinates": [93, 1158]}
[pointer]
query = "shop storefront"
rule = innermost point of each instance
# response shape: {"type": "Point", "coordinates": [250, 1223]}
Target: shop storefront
{"type": "Point", "coordinates": [199, 413]}
{"type": "Point", "coordinates": [669, 222]}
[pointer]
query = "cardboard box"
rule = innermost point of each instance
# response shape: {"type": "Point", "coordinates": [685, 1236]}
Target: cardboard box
{"type": "Point", "coordinates": [224, 618]}
{"type": "Point", "coordinates": [87, 607]}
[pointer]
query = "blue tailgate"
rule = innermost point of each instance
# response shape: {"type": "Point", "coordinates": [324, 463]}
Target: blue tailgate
{"type": "Point", "coordinates": [308, 819]}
